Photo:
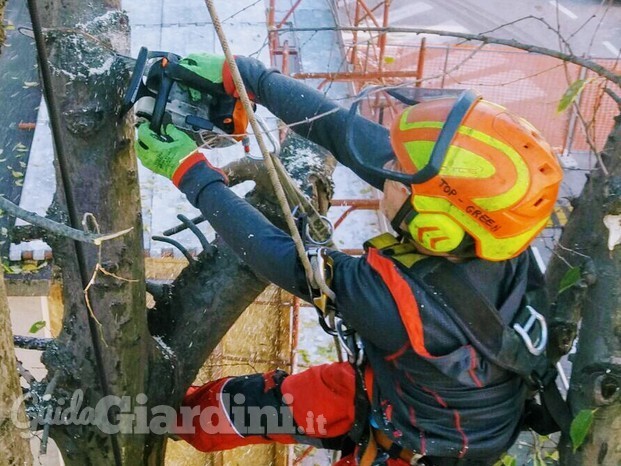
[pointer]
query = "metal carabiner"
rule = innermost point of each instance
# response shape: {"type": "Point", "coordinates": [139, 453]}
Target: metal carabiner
{"type": "Point", "coordinates": [322, 267]}
{"type": "Point", "coordinates": [266, 130]}
{"type": "Point", "coordinates": [351, 342]}
{"type": "Point", "coordinates": [309, 237]}
{"type": "Point", "coordinates": [537, 347]}
{"type": "Point", "coordinates": [351, 354]}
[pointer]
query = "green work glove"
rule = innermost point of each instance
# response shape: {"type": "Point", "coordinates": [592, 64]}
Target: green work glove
{"type": "Point", "coordinates": [163, 154]}
{"type": "Point", "coordinates": [207, 66]}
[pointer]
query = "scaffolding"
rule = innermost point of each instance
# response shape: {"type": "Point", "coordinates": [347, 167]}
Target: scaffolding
{"type": "Point", "coordinates": [366, 57]}
{"type": "Point", "coordinates": [365, 52]}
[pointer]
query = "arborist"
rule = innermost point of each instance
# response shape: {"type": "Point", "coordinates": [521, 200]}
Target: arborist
{"type": "Point", "coordinates": [467, 186]}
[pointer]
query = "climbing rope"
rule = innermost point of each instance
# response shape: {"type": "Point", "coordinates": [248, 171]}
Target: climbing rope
{"type": "Point", "coordinates": [267, 157]}
{"type": "Point", "coordinates": [278, 176]}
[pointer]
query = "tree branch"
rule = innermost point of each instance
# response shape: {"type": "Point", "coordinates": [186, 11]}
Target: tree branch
{"type": "Point", "coordinates": [31, 343]}
{"type": "Point", "coordinates": [55, 227]}
{"type": "Point", "coordinates": [209, 295]}
{"type": "Point", "coordinates": [614, 96]}
{"type": "Point", "coordinates": [584, 62]}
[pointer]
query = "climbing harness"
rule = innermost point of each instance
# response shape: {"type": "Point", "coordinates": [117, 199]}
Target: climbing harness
{"type": "Point", "coordinates": [518, 347]}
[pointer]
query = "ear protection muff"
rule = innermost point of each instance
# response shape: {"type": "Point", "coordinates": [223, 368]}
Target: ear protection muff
{"type": "Point", "coordinates": [436, 232]}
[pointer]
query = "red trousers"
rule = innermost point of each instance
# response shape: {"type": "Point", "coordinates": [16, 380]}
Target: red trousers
{"type": "Point", "coordinates": [314, 407]}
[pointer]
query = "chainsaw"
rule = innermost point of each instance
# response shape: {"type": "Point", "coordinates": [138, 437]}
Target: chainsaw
{"type": "Point", "coordinates": [159, 93]}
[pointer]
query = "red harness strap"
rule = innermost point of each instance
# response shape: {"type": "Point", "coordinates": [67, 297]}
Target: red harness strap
{"type": "Point", "coordinates": [404, 299]}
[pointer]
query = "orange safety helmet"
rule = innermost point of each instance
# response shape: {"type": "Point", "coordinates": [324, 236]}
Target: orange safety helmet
{"type": "Point", "coordinates": [497, 179]}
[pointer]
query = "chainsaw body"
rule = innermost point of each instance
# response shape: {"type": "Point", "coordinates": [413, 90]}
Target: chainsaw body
{"type": "Point", "coordinates": [159, 93]}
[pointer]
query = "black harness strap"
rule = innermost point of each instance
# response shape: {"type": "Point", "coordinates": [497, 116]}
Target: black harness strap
{"type": "Point", "coordinates": [499, 343]}
{"type": "Point", "coordinates": [362, 409]}
{"type": "Point", "coordinates": [479, 319]}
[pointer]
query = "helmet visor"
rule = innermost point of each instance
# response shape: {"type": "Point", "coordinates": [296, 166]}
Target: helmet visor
{"type": "Point", "coordinates": [463, 105]}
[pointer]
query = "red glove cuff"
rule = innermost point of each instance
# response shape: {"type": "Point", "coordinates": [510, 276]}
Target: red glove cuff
{"type": "Point", "coordinates": [190, 161]}
{"type": "Point", "coordinates": [229, 85]}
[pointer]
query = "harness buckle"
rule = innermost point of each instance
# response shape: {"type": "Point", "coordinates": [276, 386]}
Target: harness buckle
{"type": "Point", "coordinates": [537, 346]}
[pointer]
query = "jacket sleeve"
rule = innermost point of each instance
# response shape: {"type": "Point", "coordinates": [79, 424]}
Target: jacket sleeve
{"type": "Point", "coordinates": [361, 296]}
{"type": "Point", "coordinates": [295, 103]}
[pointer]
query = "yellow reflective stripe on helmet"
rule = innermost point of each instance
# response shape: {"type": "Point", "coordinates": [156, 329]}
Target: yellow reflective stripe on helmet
{"type": "Point", "coordinates": [489, 246]}
{"type": "Point", "coordinates": [522, 179]}
{"type": "Point", "coordinates": [459, 162]}
{"type": "Point", "coordinates": [405, 125]}
{"type": "Point", "coordinates": [502, 201]}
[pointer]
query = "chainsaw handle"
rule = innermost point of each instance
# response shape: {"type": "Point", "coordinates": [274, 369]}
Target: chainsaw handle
{"type": "Point", "coordinates": [195, 81]}
{"type": "Point", "coordinates": [159, 109]}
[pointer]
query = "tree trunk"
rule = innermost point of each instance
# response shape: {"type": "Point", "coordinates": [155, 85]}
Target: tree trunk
{"type": "Point", "coordinates": [207, 298]}
{"type": "Point", "coordinates": [596, 298]}
{"type": "Point", "coordinates": [104, 346]}
{"type": "Point", "coordinates": [13, 439]}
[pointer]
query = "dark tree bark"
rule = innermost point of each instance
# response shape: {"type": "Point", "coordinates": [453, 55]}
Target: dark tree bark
{"type": "Point", "coordinates": [596, 299]}
{"type": "Point", "coordinates": [105, 335]}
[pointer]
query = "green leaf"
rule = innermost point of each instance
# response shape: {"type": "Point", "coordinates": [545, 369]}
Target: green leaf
{"type": "Point", "coordinates": [509, 460]}
{"type": "Point", "coordinates": [571, 277]}
{"type": "Point", "coordinates": [570, 95]}
{"type": "Point", "coordinates": [580, 427]}
{"type": "Point", "coordinates": [37, 326]}
{"type": "Point", "coordinates": [29, 267]}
